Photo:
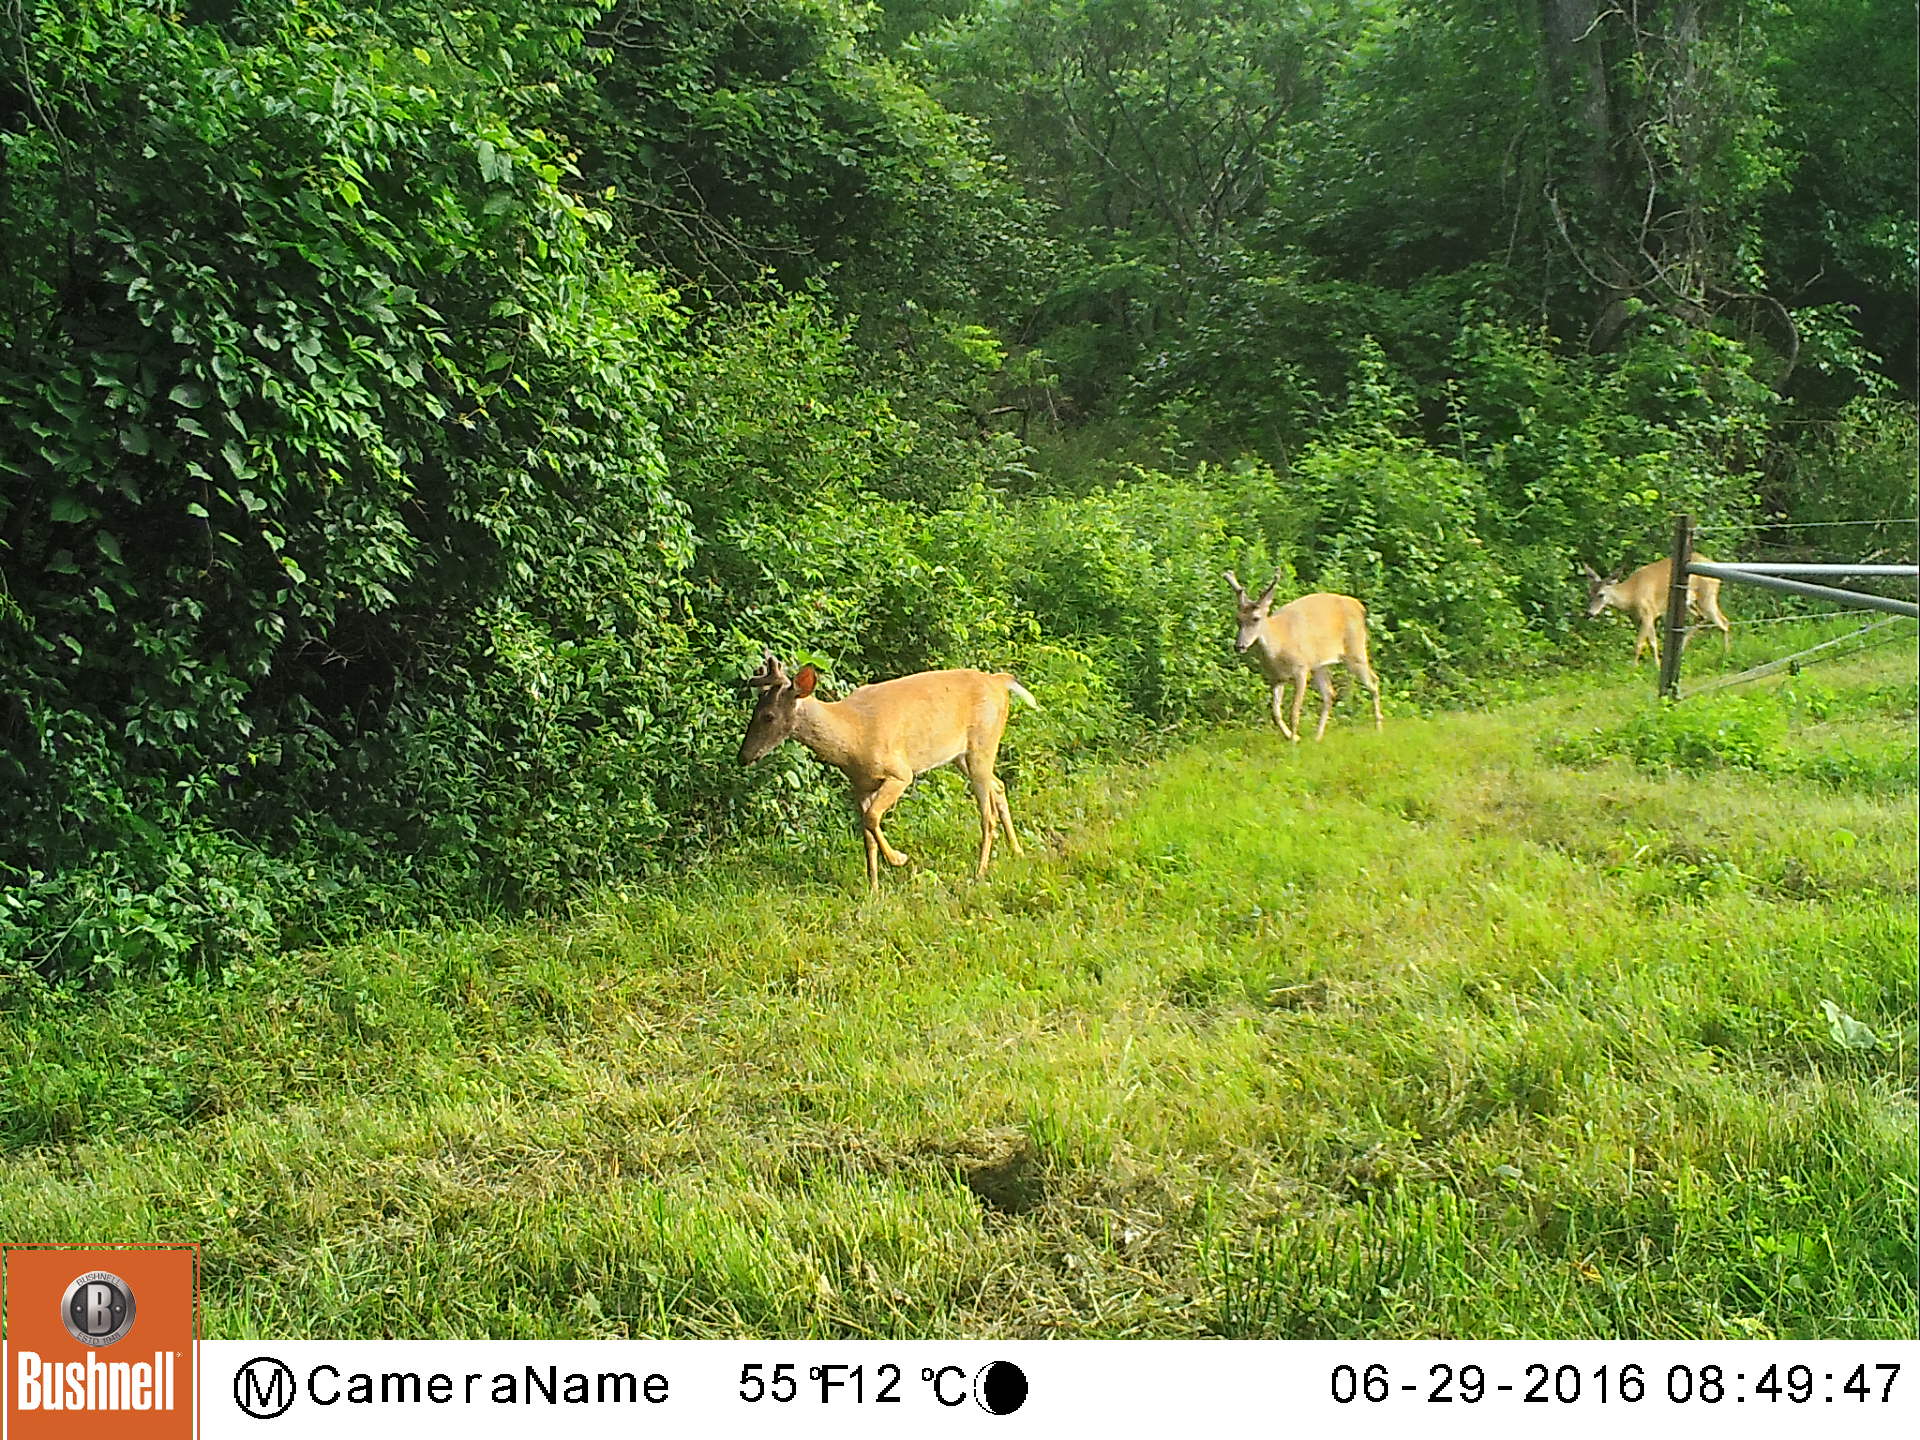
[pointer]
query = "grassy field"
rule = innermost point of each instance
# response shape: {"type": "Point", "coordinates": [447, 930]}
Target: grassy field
{"type": "Point", "coordinates": [1504, 1022]}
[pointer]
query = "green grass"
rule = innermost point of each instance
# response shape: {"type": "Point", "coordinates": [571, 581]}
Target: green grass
{"type": "Point", "coordinates": [1504, 1022]}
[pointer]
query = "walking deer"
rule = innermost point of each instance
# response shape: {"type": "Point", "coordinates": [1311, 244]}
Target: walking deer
{"type": "Point", "coordinates": [1643, 595]}
{"type": "Point", "coordinates": [1306, 637]}
{"type": "Point", "coordinates": [881, 736]}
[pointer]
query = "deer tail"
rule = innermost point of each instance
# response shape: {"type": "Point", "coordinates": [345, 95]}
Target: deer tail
{"type": "Point", "coordinates": [1015, 688]}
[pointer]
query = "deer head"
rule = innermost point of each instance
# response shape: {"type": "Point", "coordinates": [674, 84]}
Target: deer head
{"type": "Point", "coordinates": [1253, 613]}
{"type": "Point", "coordinates": [1599, 590]}
{"type": "Point", "coordinates": [773, 714]}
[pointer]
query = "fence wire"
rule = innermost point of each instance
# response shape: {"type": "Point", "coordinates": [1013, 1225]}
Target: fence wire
{"type": "Point", "coordinates": [1759, 525]}
{"type": "Point", "coordinates": [1793, 660]}
{"type": "Point", "coordinates": [1785, 619]}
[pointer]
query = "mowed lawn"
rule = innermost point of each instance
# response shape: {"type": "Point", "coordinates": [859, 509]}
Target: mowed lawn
{"type": "Point", "coordinates": [1463, 1029]}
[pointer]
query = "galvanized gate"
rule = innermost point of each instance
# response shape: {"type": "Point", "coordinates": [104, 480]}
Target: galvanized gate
{"type": "Point", "coordinates": [1768, 576]}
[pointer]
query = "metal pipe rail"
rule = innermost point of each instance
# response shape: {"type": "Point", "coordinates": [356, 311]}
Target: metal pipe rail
{"type": "Point", "coordinates": [1751, 575]}
{"type": "Point", "coordinates": [1912, 572]}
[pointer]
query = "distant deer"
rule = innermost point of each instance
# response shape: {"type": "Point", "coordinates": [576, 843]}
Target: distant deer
{"type": "Point", "coordinates": [881, 736]}
{"type": "Point", "coordinates": [1305, 637]}
{"type": "Point", "coordinates": [1643, 595]}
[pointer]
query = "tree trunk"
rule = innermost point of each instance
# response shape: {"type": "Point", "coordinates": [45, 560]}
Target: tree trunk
{"type": "Point", "coordinates": [1573, 46]}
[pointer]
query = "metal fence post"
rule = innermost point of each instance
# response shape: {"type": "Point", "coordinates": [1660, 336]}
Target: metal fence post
{"type": "Point", "coordinates": [1677, 587]}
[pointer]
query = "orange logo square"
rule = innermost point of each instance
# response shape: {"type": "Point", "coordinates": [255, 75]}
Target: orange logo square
{"type": "Point", "coordinates": [99, 1341]}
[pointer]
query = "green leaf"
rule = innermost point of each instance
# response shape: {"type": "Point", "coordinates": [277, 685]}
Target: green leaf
{"type": "Point", "coordinates": [1846, 1031]}
{"type": "Point", "coordinates": [70, 509]}
{"type": "Point", "coordinates": [492, 167]}
{"type": "Point", "coordinates": [109, 547]}
{"type": "Point", "coordinates": [188, 395]}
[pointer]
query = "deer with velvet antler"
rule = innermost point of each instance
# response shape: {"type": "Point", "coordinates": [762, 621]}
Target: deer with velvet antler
{"type": "Point", "coordinates": [1305, 638]}
{"type": "Point", "coordinates": [881, 736]}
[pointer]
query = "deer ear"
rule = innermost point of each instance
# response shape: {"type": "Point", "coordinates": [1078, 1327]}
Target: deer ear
{"type": "Point", "coordinates": [803, 682]}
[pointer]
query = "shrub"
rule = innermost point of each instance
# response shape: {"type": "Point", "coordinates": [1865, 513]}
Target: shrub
{"type": "Point", "coordinates": [281, 471]}
{"type": "Point", "coordinates": [1398, 526]}
{"type": "Point", "coordinates": [1860, 467]}
{"type": "Point", "coordinates": [1742, 732]}
{"type": "Point", "coordinates": [1588, 458]}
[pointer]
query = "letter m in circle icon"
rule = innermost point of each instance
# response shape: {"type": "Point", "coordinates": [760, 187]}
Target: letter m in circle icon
{"type": "Point", "coordinates": [264, 1387]}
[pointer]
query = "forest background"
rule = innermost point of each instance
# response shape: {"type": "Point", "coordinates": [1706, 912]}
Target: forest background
{"type": "Point", "coordinates": [416, 417]}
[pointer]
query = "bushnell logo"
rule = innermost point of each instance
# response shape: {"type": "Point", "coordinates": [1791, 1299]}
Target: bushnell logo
{"type": "Point", "coordinates": [98, 1308]}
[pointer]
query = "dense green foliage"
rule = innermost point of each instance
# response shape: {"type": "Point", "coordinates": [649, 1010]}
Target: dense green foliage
{"type": "Point", "coordinates": [414, 419]}
{"type": "Point", "coordinates": [324, 411]}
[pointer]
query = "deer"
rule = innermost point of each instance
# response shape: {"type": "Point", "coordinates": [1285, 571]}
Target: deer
{"type": "Point", "coordinates": [1643, 595]}
{"type": "Point", "coordinates": [1305, 637]}
{"type": "Point", "coordinates": [882, 736]}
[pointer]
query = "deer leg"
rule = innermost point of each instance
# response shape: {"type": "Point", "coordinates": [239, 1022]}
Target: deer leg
{"type": "Point", "coordinates": [863, 793]}
{"type": "Point", "coordinates": [1647, 636]}
{"type": "Point", "coordinates": [1363, 672]}
{"type": "Point", "coordinates": [983, 796]}
{"type": "Point", "coordinates": [1299, 699]}
{"type": "Point", "coordinates": [1280, 707]}
{"type": "Point", "coordinates": [1006, 816]}
{"type": "Point", "coordinates": [1694, 612]}
{"type": "Point", "coordinates": [878, 801]}
{"type": "Point", "coordinates": [1709, 608]}
{"type": "Point", "coordinates": [1325, 687]}
{"type": "Point", "coordinates": [989, 794]}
